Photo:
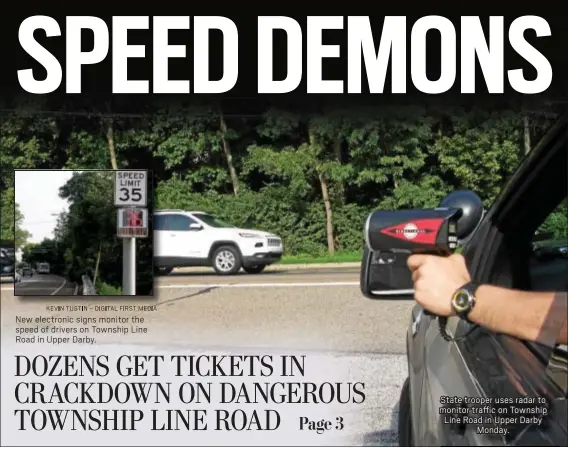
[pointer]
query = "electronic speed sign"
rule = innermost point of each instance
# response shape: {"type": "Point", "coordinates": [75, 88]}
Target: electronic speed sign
{"type": "Point", "coordinates": [130, 188]}
{"type": "Point", "coordinates": [132, 222]}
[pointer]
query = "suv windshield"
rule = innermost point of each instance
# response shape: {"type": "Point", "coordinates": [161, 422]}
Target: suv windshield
{"type": "Point", "coordinates": [210, 220]}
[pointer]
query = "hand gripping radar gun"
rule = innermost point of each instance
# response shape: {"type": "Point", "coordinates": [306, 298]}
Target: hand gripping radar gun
{"type": "Point", "coordinates": [393, 235]}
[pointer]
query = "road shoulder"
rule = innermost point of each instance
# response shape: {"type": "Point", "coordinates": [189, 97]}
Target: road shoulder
{"type": "Point", "coordinates": [280, 267]}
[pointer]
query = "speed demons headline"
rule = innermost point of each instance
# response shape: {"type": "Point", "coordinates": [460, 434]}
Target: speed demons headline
{"type": "Point", "coordinates": [382, 51]}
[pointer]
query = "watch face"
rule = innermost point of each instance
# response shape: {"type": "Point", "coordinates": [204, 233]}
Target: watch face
{"type": "Point", "coordinates": [461, 301]}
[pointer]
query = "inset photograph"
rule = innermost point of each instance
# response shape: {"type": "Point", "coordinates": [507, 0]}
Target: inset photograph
{"type": "Point", "coordinates": [81, 233]}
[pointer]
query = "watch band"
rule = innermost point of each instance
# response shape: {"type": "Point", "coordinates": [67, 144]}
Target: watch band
{"type": "Point", "coordinates": [468, 289]}
{"type": "Point", "coordinates": [471, 288]}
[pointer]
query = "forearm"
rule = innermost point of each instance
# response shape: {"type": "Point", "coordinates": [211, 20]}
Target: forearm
{"type": "Point", "coordinates": [531, 316]}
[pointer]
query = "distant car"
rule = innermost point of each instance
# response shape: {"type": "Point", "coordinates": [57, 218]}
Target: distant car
{"type": "Point", "coordinates": [43, 268]}
{"type": "Point", "coordinates": [550, 249]}
{"type": "Point", "coordinates": [198, 239]}
{"type": "Point", "coordinates": [27, 271]}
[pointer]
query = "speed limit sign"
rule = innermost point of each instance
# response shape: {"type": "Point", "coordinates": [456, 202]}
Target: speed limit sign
{"type": "Point", "coordinates": [130, 188]}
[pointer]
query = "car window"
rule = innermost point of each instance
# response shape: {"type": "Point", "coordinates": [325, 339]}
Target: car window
{"type": "Point", "coordinates": [522, 245]}
{"type": "Point", "coordinates": [548, 272]}
{"type": "Point", "coordinates": [160, 222]}
{"type": "Point", "coordinates": [214, 222]}
{"type": "Point", "coordinates": [178, 222]}
{"type": "Point", "coordinates": [548, 264]}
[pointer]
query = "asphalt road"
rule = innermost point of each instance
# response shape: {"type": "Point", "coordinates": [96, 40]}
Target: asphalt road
{"type": "Point", "coordinates": [293, 276]}
{"type": "Point", "coordinates": [317, 311]}
{"type": "Point", "coordinates": [44, 285]}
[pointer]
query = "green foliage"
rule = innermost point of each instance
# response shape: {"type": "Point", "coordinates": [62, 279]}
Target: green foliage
{"type": "Point", "coordinates": [87, 233]}
{"type": "Point", "coordinates": [479, 151]}
{"type": "Point", "coordinates": [7, 230]}
{"type": "Point", "coordinates": [302, 225]}
{"type": "Point", "coordinates": [20, 234]}
{"type": "Point", "coordinates": [287, 165]}
{"type": "Point", "coordinates": [340, 257]}
{"type": "Point", "coordinates": [12, 218]}
{"type": "Point", "coordinates": [105, 289]}
{"type": "Point", "coordinates": [89, 225]}
{"type": "Point", "coordinates": [556, 223]}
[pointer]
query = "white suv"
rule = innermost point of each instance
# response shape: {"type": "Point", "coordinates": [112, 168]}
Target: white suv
{"type": "Point", "coordinates": [198, 239]}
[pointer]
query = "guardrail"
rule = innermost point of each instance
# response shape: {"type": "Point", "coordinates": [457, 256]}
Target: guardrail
{"type": "Point", "coordinates": [88, 289]}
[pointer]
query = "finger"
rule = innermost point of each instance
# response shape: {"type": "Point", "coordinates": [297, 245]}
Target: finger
{"type": "Point", "coordinates": [416, 275]}
{"type": "Point", "coordinates": [416, 260]}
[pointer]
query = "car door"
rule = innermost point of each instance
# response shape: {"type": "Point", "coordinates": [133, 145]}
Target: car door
{"type": "Point", "coordinates": [486, 365]}
{"type": "Point", "coordinates": [161, 246]}
{"type": "Point", "coordinates": [186, 242]}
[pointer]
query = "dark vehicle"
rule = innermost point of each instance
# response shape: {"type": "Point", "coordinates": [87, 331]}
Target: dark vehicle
{"type": "Point", "coordinates": [474, 362]}
{"type": "Point", "coordinates": [7, 247]}
{"type": "Point", "coordinates": [7, 265]}
{"type": "Point", "coordinates": [550, 249]}
{"type": "Point", "coordinates": [27, 271]}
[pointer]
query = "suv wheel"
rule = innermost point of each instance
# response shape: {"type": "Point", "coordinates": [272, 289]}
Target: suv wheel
{"type": "Point", "coordinates": [255, 269]}
{"type": "Point", "coordinates": [226, 260]}
{"type": "Point", "coordinates": [405, 427]}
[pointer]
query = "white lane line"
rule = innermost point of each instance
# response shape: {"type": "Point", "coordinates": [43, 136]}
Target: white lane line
{"type": "Point", "coordinates": [59, 288]}
{"type": "Point", "coordinates": [260, 285]}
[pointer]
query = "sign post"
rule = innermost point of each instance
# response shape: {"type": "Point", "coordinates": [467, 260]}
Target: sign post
{"type": "Point", "coordinates": [129, 266]}
{"type": "Point", "coordinates": [132, 220]}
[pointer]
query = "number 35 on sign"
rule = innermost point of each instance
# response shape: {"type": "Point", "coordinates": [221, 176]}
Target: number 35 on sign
{"type": "Point", "coordinates": [130, 188]}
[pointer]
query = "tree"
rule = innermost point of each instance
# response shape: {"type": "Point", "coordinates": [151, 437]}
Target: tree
{"type": "Point", "coordinates": [7, 223]}
{"type": "Point", "coordinates": [12, 221]}
{"type": "Point", "coordinates": [195, 145]}
{"type": "Point", "coordinates": [389, 150]}
{"type": "Point", "coordinates": [20, 234]}
{"type": "Point", "coordinates": [313, 179]}
{"type": "Point", "coordinates": [225, 136]}
{"type": "Point", "coordinates": [307, 160]}
{"type": "Point", "coordinates": [478, 150]}
{"type": "Point", "coordinates": [87, 230]}
{"type": "Point", "coordinates": [85, 236]}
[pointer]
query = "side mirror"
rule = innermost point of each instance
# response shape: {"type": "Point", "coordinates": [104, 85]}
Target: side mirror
{"type": "Point", "coordinates": [195, 227]}
{"type": "Point", "coordinates": [392, 236]}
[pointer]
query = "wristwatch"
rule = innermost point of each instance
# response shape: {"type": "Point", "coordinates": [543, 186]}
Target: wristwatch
{"type": "Point", "coordinates": [463, 299]}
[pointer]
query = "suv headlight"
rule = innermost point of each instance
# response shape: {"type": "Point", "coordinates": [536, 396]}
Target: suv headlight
{"type": "Point", "coordinates": [249, 235]}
